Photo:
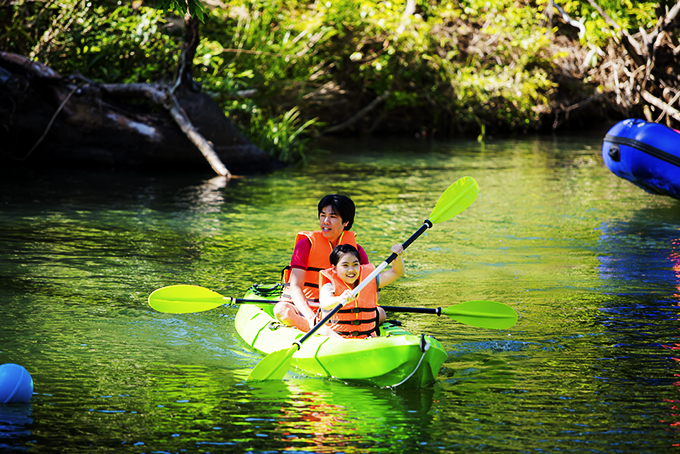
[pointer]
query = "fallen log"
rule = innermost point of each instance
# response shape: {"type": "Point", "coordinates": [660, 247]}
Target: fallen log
{"type": "Point", "coordinates": [47, 120]}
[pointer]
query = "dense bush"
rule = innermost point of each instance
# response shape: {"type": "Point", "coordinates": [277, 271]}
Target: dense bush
{"type": "Point", "coordinates": [451, 66]}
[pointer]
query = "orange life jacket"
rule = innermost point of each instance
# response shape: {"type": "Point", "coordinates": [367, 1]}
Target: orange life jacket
{"type": "Point", "coordinates": [357, 318]}
{"type": "Point", "coordinates": [319, 260]}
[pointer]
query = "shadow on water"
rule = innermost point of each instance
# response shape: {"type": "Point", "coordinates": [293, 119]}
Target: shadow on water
{"type": "Point", "coordinates": [15, 423]}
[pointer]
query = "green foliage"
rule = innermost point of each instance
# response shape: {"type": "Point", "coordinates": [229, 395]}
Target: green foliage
{"type": "Point", "coordinates": [451, 65]}
{"type": "Point", "coordinates": [127, 46]}
{"type": "Point", "coordinates": [504, 82]}
{"type": "Point", "coordinates": [630, 15]}
{"type": "Point", "coordinates": [105, 42]}
{"type": "Point", "coordinates": [193, 7]}
{"type": "Point", "coordinates": [312, 53]}
{"type": "Point", "coordinates": [283, 136]}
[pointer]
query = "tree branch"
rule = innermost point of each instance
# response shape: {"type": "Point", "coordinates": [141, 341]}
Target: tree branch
{"type": "Point", "coordinates": [632, 46]}
{"type": "Point", "coordinates": [47, 129]}
{"type": "Point", "coordinates": [663, 24]}
{"type": "Point", "coordinates": [186, 63]}
{"type": "Point", "coordinates": [568, 109]}
{"type": "Point", "coordinates": [569, 20]}
{"type": "Point", "coordinates": [359, 115]}
{"type": "Point", "coordinates": [656, 102]}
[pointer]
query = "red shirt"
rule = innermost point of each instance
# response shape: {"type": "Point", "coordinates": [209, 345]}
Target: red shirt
{"type": "Point", "coordinates": [301, 254]}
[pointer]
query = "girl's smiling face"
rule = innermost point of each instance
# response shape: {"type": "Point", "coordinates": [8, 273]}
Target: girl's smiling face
{"type": "Point", "coordinates": [348, 268]}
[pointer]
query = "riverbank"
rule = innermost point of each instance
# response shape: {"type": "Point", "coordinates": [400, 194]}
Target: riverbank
{"type": "Point", "coordinates": [286, 74]}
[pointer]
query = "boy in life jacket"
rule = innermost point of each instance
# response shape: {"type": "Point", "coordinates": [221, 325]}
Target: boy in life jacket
{"type": "Point", "coordinates": [361, 316]}
{"type": "Point", "coordinates": [299, 302]}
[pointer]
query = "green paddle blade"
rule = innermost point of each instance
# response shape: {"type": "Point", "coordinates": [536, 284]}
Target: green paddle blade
{"type": "Point", "coordinates": [483, 314]}
{"type": "Point", "coordinates": [181, 299]}
{"type": "Point", "coordinates": [455, 199]}
{"type": "Point", "coordinates": [273, 366]}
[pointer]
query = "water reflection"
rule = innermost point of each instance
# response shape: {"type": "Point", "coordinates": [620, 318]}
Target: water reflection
{"type": "Point", "coordinates": [326, 417]}
{"type": "Point", "coordinates": [674, 415]}
{"type": "Point", "coordinates": [582, 257]}
{"type": "Point", "coordinates": [641, 270]}
{"type": "Point", "coordinates": [15, 423]}
{"type": "Point", "coordinates": [214, 411]}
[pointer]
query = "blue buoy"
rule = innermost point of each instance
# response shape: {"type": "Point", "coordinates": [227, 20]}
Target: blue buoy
{"type": "Point", "coordinates": [16, 384]}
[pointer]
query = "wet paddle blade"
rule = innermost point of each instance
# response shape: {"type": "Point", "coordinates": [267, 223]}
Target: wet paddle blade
{"type": "Point", "coordinates": [455, 199]}
{"type": "Point", "coordinates": [483, 314]}
{"type": "Point", "coordinates": [182, 299]}
{"type": "Point", "coordinates": [273, 366]}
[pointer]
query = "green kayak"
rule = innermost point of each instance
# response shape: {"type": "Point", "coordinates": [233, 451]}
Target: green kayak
{"type": "Point", "coordinates": [395, 358]}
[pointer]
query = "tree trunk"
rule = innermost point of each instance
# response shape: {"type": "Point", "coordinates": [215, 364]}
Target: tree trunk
{"type": "Point", "coordinates": [185, 69]}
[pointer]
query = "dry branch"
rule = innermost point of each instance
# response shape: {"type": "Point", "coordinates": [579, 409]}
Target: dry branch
{"type": "Point", "coordinates": [61, 106]}
{"type": "Point", "coordinates": [568, 109]}
{"type": "Point", "coordinates": [656, 102]}
{"type": "Point", "coordinates": [664, 22]}
{"type": "Point", "coordinates": [634, 49]}
{"type": "Point", "coordinates": [639, 70]}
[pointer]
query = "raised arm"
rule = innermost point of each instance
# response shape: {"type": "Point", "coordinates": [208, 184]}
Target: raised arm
{"type": "Point", "coordinates": [397, 270]}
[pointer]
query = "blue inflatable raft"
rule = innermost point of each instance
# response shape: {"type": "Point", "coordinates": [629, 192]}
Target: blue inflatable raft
{"type": "Point", "coordinates": [646, 154]}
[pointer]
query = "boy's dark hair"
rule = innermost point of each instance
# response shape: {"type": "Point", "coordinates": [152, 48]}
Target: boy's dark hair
{"type": "Point", "coordinates": [342, 249]}
{"type": "Point", "coordinates": [342, 206]}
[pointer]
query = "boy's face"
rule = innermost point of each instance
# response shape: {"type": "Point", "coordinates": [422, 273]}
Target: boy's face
{"type": "Point", "coordinates": [348, 268]}
{"type": "Point", "coordinates": [331, 223]}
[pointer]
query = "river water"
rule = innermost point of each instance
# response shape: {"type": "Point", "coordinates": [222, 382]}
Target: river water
{"type": "Point", "coordinates": [589, 261]}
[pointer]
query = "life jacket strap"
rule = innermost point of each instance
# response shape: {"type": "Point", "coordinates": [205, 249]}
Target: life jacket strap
{"type": "Point", "coordinates": [286, 296]}
{"type": "Point", "coordinates": [285, 277]}
{"type": "Point", "coordinates": [351, 322]}
{"type": "Point", "coordinates": [354, 310]}
{"type": "Point", "coordinates": [375, 320]}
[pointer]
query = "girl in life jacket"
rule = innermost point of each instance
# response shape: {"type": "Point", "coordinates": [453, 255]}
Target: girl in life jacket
{"type": "Point", "coordinates": [361, 316]}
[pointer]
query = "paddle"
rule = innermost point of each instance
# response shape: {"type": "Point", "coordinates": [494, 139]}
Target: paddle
{"type": "Point", "coordinates": [482, 314]}
{"type": "Point", "coordinates": [455, 199]}
{"type": "Point", "coordinates": [181, 299]}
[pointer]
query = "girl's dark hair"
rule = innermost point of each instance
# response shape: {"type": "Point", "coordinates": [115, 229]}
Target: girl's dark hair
{"type": "Point", "coordinates": [342, 249]}
{"type": "Point", "coordinates": [342, 206]}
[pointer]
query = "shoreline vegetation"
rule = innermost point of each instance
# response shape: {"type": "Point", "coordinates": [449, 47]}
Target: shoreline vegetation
{"type": "Point", "coordinates": [285, 73]}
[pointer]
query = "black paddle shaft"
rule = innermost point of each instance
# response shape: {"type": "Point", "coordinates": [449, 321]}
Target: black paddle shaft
{"type": "Point", "coordinates": [245, 300]}
{"type": "Point", "coordinates": [426, 225]}
{"type": "Point", "coordinates": [317, 326]}
{"type": "Point", "coordinates": [416, 310]}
